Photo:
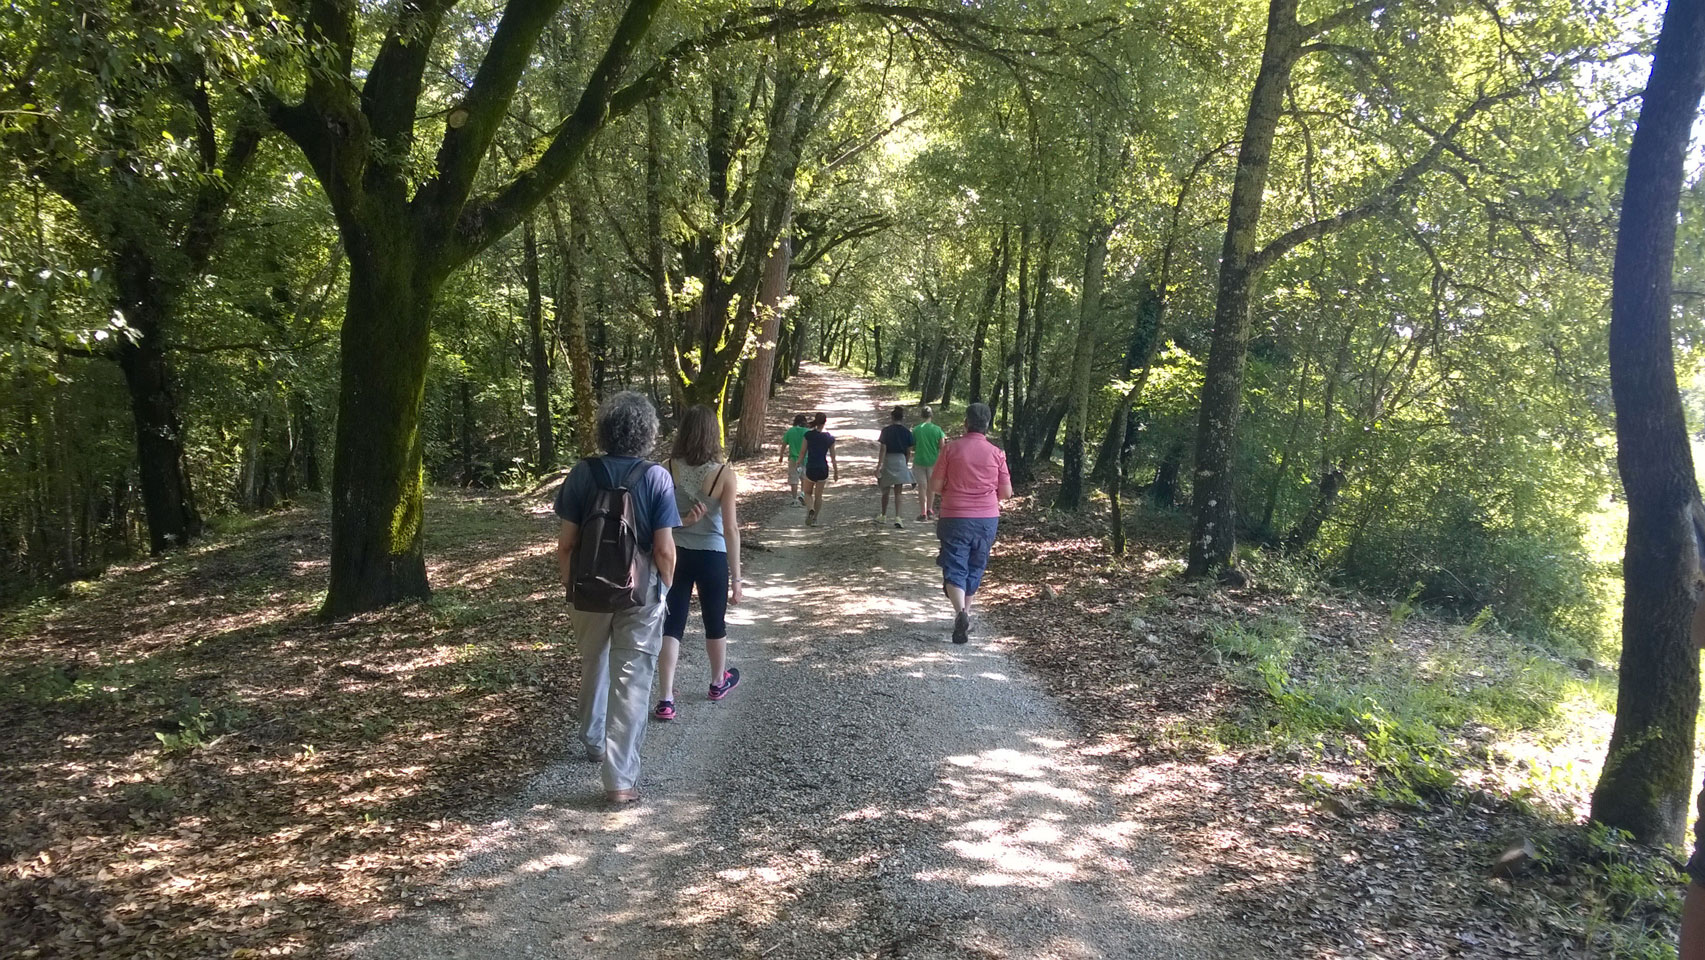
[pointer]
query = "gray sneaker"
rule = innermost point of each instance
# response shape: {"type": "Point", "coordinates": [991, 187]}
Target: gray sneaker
{"type": "Point", "coordinates": [961, 627]}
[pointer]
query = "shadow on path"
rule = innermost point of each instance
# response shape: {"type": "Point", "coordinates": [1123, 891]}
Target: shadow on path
{"type": "Point", "coordinates": [869, 791]}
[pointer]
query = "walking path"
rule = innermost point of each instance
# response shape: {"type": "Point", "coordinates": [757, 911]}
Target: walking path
{"type": "Point", "coordinates": [870, 790]}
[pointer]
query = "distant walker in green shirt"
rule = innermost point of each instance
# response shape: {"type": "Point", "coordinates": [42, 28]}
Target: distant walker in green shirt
{"type": "Point", "coordinates": [791, 441]}
{"type": "Point", "coordinates": [926, 438]}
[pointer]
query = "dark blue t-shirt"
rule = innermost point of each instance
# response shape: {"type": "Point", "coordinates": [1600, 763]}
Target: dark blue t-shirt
{"type": "Point", "coordinates": [895, 438]}
{"type": "Point", "coordinates": [817, 444]}
{"type": "Point", "coordinates": [654, 494]}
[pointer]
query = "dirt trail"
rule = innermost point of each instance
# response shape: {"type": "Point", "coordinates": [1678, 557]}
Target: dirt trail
{"type": "Point", "coordinates": [870, 790]}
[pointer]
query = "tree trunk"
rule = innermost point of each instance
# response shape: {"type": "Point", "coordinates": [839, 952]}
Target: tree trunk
{"type": "Point", "coordinates": [306, 448]}
{"type": "Point", "coordinates": [1115, 498]}
{"type": "Point", "coordinates": [800, 331]}
{"type": "Point", "coordinates": [1144, 349]}
{"type": "Point", "coordinates": [1163, 493]}
{"type": "Point", "coordinates": [1072, 492]}
{"type": "Point", "coordinates": [378, 499]}
{"type": "Point", "coordinates": [540, 362]}
{"type": "Point", "coordinates": [571, 315]}
{"type": "Point", "coordinates": [1648, 772]}
{"type": "Point", "coordinates": [749, 441]}
{"type": "Point", "coordinates": [167, 499]}
{"type": "Point", "coordinates": [1325, 498]}
{"type": "Point", "coordinates": [991, 297]}
{"type": "Point", "coordinates": [951, 378]}
{"type": "Point", "coordinates": [1214, 532]}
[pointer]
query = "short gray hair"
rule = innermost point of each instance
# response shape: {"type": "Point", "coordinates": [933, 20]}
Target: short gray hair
{"type": "Point", "coordinates": [627, 425]}
{"type": "Point", "coordinates": [977, 418]}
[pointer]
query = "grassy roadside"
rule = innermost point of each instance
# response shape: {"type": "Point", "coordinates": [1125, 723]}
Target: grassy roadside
{"type": "Point", "coordinates": [1354, 768]}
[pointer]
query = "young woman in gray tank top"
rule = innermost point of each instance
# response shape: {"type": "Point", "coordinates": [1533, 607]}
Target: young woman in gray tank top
{"type": "Point", "coordinates": [707, 554]}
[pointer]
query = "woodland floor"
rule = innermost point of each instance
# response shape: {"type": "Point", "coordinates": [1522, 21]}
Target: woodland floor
{"type": "Point", "coordinates": [1120, 764]}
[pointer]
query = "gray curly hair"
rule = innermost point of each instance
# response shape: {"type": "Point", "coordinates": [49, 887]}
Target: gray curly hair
{"type": "Point", "coordinates": [627, 425]}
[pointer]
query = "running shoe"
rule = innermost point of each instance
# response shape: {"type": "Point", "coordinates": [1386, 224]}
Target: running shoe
{"type": "Point", "coordinates": [730, 680]}
{"type": "Point", "coordinates": [923, 518]}
{"type": "Point", "coordinates": [811, 518]}
{"type": "Point", "coordinates": [897, 524]}
{"type": "Point", "coordinates": [665, 710]}
{"type": "Point", "coordinates": [961, 627]}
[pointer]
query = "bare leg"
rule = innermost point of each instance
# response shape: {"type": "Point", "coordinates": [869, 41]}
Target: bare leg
{"type": "Point", "coordinates": [666, 659]}
{"type": "Point", "coordinates": [717, 652]}
{"type": "Point", "coordinates": [885, 503]}
{"type": "Point", "coordinates": [817, 497]}
{"type": "Point", "coordinates": [956, 596]}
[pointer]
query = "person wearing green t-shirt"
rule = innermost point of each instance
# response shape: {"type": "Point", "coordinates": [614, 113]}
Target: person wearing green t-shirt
{"type": "Point", "coordinates": [791, 441]}
{"type": "Point", "coordinates": [926, 440]}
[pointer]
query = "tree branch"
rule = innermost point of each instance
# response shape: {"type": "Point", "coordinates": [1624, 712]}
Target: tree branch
{"type": "Point", "coordinates": [470, 126]}
{"type": "Point", "coordinates": [1402, 183]}
{"type": "Point", "coordinates": [330, 31]}
{"type": "Point", "coordinates": [392, 91]}
{"type": "Point", "coordinates": [1348, 15]}
{"type": "Point", "coordinates": [214, 196]}
{"type": "Point", "coordinates": [541, 172]}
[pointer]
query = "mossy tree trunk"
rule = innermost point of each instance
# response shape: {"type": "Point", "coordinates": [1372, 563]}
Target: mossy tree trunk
{"type": "Point", "coordinates": [356, 136]}
{"type": "Point", "coordinates": [1072, 492]}
{"type": "Point", "coordinates": [378, 555]}
{"type": "Point", "coordinates": [1648, 771]}
{"type": "Point", "coordinates": [571, 316]}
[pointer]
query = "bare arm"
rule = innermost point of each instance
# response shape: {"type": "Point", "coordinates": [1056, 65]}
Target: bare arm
{"type": "Point", "coordinates": [663, 554]}
{"type": "Point", "coordinates": [728, 495]}
{"type": "Point", "coordinates": [1004, 488]}
{"type": "Point", "coordinates": [835, 462]}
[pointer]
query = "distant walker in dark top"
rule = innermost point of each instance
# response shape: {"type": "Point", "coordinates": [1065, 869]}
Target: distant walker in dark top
{"type": "Point", "coordinates": [893, 463]}
{"type": "Point", "coordinates": [817, 456]}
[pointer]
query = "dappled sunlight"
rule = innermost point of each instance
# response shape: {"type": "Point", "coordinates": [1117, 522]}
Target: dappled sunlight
{"type": "Point", "coordinates": [923, 790]}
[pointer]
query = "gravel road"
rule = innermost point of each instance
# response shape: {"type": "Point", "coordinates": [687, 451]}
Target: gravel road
{"type": "Point", "coordinates": [870, 790]}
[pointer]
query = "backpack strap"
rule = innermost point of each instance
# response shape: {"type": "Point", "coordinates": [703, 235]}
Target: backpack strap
{"type": "Point", "coordinates": [638, 470]}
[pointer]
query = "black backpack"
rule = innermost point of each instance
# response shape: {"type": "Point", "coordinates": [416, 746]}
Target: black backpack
{"type": "Point", "coordinates": [607, 575]}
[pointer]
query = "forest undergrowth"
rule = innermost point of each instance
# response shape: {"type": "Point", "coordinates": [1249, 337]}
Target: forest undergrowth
{"type": "Point", "coordinates": [197, 767]}
{"type": "Point", "coordinates": [1351, 770]}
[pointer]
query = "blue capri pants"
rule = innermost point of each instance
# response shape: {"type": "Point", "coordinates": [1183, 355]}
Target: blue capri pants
{"type": "Point", "coordinates": [965, 545]}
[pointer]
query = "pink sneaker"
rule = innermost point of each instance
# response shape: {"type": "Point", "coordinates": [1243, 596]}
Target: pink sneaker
{"type": "Point", "coordinates": [665, 710]}
{"type": "Point", "coordinates": [730, 680]}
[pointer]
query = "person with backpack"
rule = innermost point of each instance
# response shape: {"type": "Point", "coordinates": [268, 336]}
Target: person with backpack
{"type": "Point", "coordinates": [707, 554]}
{"type": "Point", "coordinates": [792, 440]}
{"type": "Point", "coordinates": [926, 447]}
{"type": "Point", "coordinates": [817, 455]}
{"type": "Point", "coordinates": [972, 479]}
{"type": "Point", "coordinates": [893, 463]}
{"type": "Point", "coordinates": [616, 556]}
